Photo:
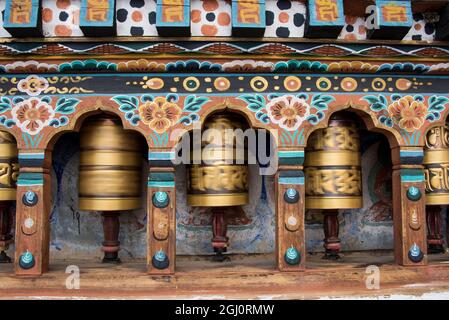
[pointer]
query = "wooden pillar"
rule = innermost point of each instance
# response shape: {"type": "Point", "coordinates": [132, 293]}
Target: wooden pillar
{"type": "Point", "coordinates": [409, 207]}
{"type": "Point", "coordinates": [289, 188]}
{"type": "Point", "coordinates": [161, 222]}
{"type": "Point", "coordinates": [32, 215]}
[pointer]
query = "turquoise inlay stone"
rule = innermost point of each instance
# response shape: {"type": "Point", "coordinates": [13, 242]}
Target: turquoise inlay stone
{"type": "Point", "coordinates": [161, 199]}
{"type": "Point", "coordinates": [292, 256]}
{"type": "Point", "coordinates": [291, 195]}
{"type": "Point", "coordinates": [26, 260]}
{"type": "Point", "coordinates": [160, 260]}
{"type": "Point", "coordinates": [413, 193]}
{"type": "Point", "coordinates": [29, 199]}
{"type": "Point", "coordinates": [415, 254]}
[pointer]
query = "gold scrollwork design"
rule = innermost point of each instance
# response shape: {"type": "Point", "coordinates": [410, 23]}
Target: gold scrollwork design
{"type": "Point", "coordinates": [53, 80]}
{"type": "Point", "coordinates": [74, 90]}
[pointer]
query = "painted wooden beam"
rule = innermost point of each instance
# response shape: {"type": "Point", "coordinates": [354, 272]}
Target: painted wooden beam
{"type": "Point", "coordinates": [248, 18]}
{"type": "Point", "coordinates": [392, 20]}
{"type": "Point", "coordinates": [161, 222]}
{"type": "Point", "coordinates": [23, 18]}
{"type": "Point", "coordinates": [324, 19]}
{"type": "Point", "coordinates": [409, 212]}
{"type": "Point", "coordinates": [173, 18]}
{"type": "Point", "coordinates": [33, 214]}
{"type": "Point", "coordinates": [97, 17]}
{"type": "Point", "coordinates": [290, 216]}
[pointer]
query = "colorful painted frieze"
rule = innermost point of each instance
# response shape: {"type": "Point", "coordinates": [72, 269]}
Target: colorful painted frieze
{"type": "Point", "coordinates": [23, 18]}
{"type": "Point", "coordinates": [325, 18]}
{"type": "Point", "coordinates": [392, 20]}
{"type": "Point", "coordinates": [248, 18]}
{"type": "Point", "coordinates": [173, 17]}
{"type": "Point", "coordinates": [97, 17]}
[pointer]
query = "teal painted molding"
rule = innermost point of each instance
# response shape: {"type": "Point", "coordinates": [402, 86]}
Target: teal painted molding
{"type": "Point", "coordinates": [27, 179]}
{"type": "Point", "coordinates": [161, 180]}
{"type": "Point", "coordinates": [291, 157]}
{"type": "Point", "coordinates": [412, 175]}
{"type": "Point", "coordinates": [291, 180]}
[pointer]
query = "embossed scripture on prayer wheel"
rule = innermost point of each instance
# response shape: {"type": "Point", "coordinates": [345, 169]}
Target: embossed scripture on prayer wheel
{"type": "Point", "coordinates": [436, 164]}
{"type": "Point", "coordinates": [9, 167]}
{"type": "Point", "coordinates": [110, 166]}
{"type": "Point", "coordinates": [333, 166]}
{"type": "Point", "coordinates": [221, 178]}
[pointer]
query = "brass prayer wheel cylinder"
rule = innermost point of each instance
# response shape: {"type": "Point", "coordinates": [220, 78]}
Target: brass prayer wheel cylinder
{"type": "Point", "coordinates": [221, 178]}
{"type": "Point", "coordinates": [9, 167]}
{"type": "Point", "coordinates": [110, 166]}
{"type": "Point", "coordinates": [436, 164]}
{"type": "Point", "coordinates": [333, 167]}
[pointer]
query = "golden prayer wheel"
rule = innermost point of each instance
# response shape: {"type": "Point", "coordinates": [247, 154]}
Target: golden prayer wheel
{"type": "Point", "coordinates": [10, 171]}
{"type": "Point", "coordinates": [110, 166]}
{"type": "Point", "coordinates": [221, 178]}
{"type": "Point", "coordinates": [333, 167]}
{"type": "Point", "coordinates": [436, 164]}
{"type": "Point", "coordinates": [9, 165]}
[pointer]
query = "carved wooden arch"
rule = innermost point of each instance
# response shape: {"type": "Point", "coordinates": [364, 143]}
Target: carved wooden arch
{"type": "Point", "coordinates": [371, 123]}
{"type": "Point", "coordinates": [75, 124]}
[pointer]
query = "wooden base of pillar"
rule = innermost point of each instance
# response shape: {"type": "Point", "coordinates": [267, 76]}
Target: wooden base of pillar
{"type": "Point", "coordinates": [111, 244]}
{"type": "Point", "coordinates": [219, 226]}
{"type": "Point", "coordinates": [331, 229]}
{"type": "Point", "coordinates": [434, 229]}
{"type": "Point", "coordinates": [6, 237]}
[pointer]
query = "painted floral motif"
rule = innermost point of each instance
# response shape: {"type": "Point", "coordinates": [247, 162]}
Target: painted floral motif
{"type": "Point", "coordinates": [32, 115]}
{"type": "Point", "coordinates": [408, 113]}
{"type": "Point", "coordinates": [160, 114]}
{"type": "Point", "coordinates": [32, 85]}
{"type": "Point", "coordinates": [288, 112]}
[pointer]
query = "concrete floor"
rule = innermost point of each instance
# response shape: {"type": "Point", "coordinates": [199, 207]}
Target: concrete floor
{"type": "Point", "coordinates": [244, 277]}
